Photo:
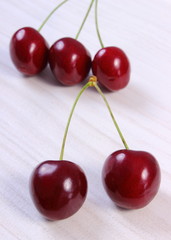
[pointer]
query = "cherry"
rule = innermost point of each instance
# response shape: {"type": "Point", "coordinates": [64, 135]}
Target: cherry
{"type": "Point", "coordinates": [112, 68]}
{"type": "Point", "coordinates": [58, 189]}
{"type": "Point", "coordinates": [69, 60]}
{"type": "Point", "coordinates": [29, 51]}
{"type": "Point", "coordinates": [131, 178]}
{"type": "Point", "coordinates": [110, 64]}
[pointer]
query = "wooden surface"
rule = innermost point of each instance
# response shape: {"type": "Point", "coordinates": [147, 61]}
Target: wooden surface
{"type": "Point", "coordinates": [34, 111]}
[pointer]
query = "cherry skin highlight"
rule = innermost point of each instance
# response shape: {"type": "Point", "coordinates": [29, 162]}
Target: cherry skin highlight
{"type": "Point", "coordinates": [131, 178]}
{"type": "Point", "coordinates": [58, 189]}
{"type": "Point", "coordinates": [112, 68]}
{"type": "Point", "coordinates": [29, 51]}
{"type": "Point", "coordinates": [69, 60]}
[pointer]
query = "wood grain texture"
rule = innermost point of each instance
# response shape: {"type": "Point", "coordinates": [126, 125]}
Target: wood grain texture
{"type": "Point", "coordinates": [34, 111]}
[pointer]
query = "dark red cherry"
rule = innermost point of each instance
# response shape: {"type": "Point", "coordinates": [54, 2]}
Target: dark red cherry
{"type": "Point", "coordinates": [131, 178]}
{"type": "Point", "coordinates": [69, 60]}
{"type": "Point", "coordinates": [112, 68]}
{"type": "Point", "coordinates": [58, 189]}
{"type": "Point", "coordinates": [29, 51]}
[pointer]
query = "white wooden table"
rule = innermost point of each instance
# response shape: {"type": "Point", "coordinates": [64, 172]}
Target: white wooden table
{"type": "Point", "coordinates": [34, 111]}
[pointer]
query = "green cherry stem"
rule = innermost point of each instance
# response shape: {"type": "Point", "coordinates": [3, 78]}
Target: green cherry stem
{"type": "Point", "coordinates": [85, 18]}
{"type": "Point", "coordinates": [89, 84]}
{"type": "Point", "coordinates": [50, 14]}
{"type": "Point", "coordinates": [97, 26]}
{"type": "Point", "coordinates": [110, 111]}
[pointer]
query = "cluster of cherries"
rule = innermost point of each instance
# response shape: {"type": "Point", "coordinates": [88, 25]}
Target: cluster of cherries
{"type": "Point", "coordinates": [58, 188]}
{"type": "Point", "coordinates": [69, 60]}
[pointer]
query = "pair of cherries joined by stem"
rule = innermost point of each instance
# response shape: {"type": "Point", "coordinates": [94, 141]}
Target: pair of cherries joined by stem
{"type": "Point", "coordinates": [130, 178]}
{"type": "Point", "coordinates": [59, 188]}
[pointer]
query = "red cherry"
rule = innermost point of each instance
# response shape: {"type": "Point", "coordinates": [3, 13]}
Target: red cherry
{"type": "Point", "coordinates": [29, 51]}
{"type": "Point", "coordinates": [58, 189]}
{"type": "Point", "coordinates": [112, 68]}
{"type": "Point", "coordinates": [69, 60]}
{"type": "Point", "coordinates": [131, 178]}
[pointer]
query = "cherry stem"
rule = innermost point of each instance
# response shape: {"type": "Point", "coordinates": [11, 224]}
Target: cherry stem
{"type": "Point", "coordinates": [97, 26]}
{"type": "Point", "coordinates": [50, 14]}
{"type": "Point", "coordinates": [70, 116]}
{"type": "Point", "coordinates": [85, 18]}
{"type": "Point", "coordinates": [111, 114]}
{"type": "Point", "coordinates": [91, 83]}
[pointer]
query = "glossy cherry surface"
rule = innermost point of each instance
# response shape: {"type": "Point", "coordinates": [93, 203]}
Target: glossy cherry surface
{"type": "Point", "coordinates": [69, 60]}
{"type": "Point", "coordinates": [112, 68]}
{"type": "Point", "coordinates": [131, 178]}
{"type": "Point", "coordinates": [58, 189]}
{"type": "Point", "coordinates": [29, 51]}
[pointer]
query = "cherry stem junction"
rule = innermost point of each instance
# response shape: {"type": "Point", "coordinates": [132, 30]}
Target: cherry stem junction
{"type": "Point", "coordinates": [91, 83]}
{"type": "Point", "coordinates": [50, 14]}
{"type": "Point", "coordinates": [85, 18]}
{"type": "Point", "coordinates": [97, 26]}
